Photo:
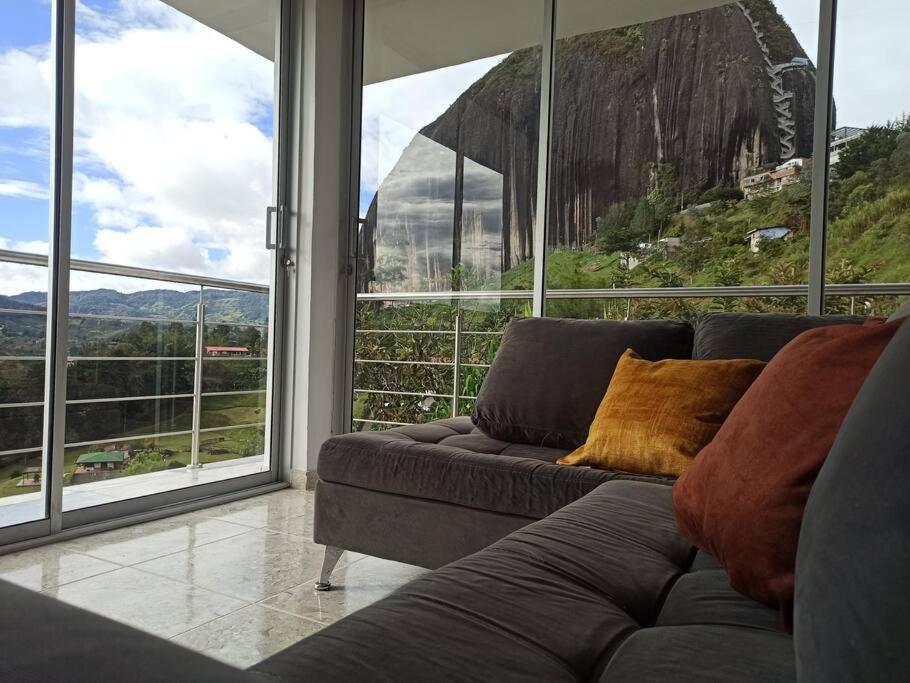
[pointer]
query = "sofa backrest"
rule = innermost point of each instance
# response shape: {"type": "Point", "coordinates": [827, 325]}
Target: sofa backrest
{"type": "Point", "coordinates": [550, 374]}
{"type": "Point", "coordinates": [725, 336]}
{"type": "Point", "coordinates": [852, 610]}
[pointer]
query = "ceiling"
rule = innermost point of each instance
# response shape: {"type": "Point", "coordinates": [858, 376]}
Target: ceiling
{"type": "Point", "coordinates": [405, 37]}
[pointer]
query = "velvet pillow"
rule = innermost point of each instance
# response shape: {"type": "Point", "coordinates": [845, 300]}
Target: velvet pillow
{"type": "Point", "coordinates": [743, 498]}
{"type": "Point", "coordinates": [657, 416]}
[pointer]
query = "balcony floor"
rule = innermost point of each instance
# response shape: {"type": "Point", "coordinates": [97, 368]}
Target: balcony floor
{"type": "Point", "coordinates": [234, 581]}
{"type": "Point", "coordinates": [29, 506]}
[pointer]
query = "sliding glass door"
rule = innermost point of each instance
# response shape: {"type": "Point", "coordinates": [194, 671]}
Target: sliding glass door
{"type": "Point", "coordinates": [164, 268]}
{"type": "Point", "coordinates": [26, 117]}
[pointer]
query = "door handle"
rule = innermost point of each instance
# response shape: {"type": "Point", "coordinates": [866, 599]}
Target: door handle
{"type": "Point", "coordinates": [278, 242]}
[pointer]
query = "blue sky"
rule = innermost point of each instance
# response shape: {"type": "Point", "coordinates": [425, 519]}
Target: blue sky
{"type": "Point", "coordinates": [173, 150]}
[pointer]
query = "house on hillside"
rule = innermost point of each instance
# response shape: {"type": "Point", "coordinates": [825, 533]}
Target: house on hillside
{"type": "Point", "coordinates": [755, 237]}
{"type": "Point", "coordinates": [100, 462]}
{"type": "Point", "coordinates": [769, 182]}
{"type": "Point", "coordinates": [227, 351]}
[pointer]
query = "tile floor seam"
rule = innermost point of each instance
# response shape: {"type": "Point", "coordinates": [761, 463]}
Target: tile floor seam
{"type": "Point", "coordinates": [206, 623]}
{"type": "Point", "coordinates": [246, 530]}
{"type": "Point", "coordinates": [193, 585]}
{"type": "Point", "coordinates": [82, 578]}
{"type": "Point", "coordinates": [293, 614]}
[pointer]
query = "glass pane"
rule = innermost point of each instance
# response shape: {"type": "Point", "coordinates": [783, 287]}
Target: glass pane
{"type": "Point", "coordinates": [173, 173]}
{"type": "Point", "coordinates": [26, 111]}
{"type": "Point", "coordinates": [869, 183]}
{"type": "Point", "coordinates": [681, 151]}
{"type": "Point", "coordinates": [451, 109]}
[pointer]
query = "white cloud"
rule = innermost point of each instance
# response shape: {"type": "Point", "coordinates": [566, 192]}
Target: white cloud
{"type": "Point", "coordinates": [22, 188]}
{"type": "Point", "coordinates": [169, 156]}
{"type": "Point", "coordinates": [26, 79]}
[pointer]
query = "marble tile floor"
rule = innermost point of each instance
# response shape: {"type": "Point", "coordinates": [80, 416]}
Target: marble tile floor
{"type": "Point", "coordinates": [233, 581]}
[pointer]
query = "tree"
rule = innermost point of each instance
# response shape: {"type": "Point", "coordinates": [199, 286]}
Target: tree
{"type": "Point", "coordinates": [878, 142]}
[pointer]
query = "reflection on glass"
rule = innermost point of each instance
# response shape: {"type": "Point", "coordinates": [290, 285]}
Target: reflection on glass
{"type": "Point", "coordinates": [25, 124]}
{"type": "Point", "coordinates": [869, 182]}
{"type": "Point", "coordinates": [681, 150]}
{"type": "Point", "coordinates": [451, 109]}
{"type": "Point", "coordinates": [449, 146]}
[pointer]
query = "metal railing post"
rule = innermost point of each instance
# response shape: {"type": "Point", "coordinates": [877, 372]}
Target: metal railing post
{"type": "Point", "coordinates": [456, 364]}
{"type": "Point", "coordinates": [197, 382]}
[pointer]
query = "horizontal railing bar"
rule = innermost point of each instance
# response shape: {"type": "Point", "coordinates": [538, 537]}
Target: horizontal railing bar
{"type": "Point", "coordinates": [149, 397]}
{"type": "Point", "coordinates": [259, 358]}
{"type": "Point", "coordinates": [131, 318]}
{"type": "Point", "coordinates": [232, 393]}
{"type": "Point", "coordinates": [745, 291]}
{"type": "Point", "coordinates": [156, 435]}
{"type": "Point", "coordinates": [131, 271]}
{"type": "Point", "coordinates": [29, 358]}
{"type": "Point", "coordinates": [360, 331]}
{"type": "Point", "coordinates": [91, 359]}
{"type": "Point", "coordinates": [383, 422]}
{"type": "Point", "coordinates": [119, 399]}
{"type": "Point", "coordinates": [402, 393]}
{"type": "Point", "coordinates": [18, 311]}
{"type": "Point", "coordinates": [475, 365]}
{"type": "Point", "coordinates": [404, 362]}
{"type": "Point", "coordinates": [226, 427]}
{"type": "Point", "coordinates": [463, 332]}
{"type": "Point", "coordinates": [136, 318]}
{"type": "Point", "coordinates": [234, 323]}
{"type": "Point", "coordinates": [19, 451]}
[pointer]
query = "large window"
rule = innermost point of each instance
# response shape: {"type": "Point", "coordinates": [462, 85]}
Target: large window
{"type": "Point", "coordinates": [451, 111]}
{"type": "Point", "coordinates": [143, 134]}
{"type": "Point", "coordinates": [684, 173]}
{"type": "Point", "coordinates": [869, 185]}
{"type": "Point", "coordinates": [681, 155]}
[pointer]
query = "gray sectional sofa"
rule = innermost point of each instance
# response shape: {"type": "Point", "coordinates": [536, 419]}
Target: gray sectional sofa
{"type": "Point", "coordinates": [602, 589]}
{"type": "Point", "coordinates": [433, 493]}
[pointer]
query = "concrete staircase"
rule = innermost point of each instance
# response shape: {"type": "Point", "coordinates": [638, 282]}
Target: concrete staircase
{"type": "Point", "coordinates": [782, 99]}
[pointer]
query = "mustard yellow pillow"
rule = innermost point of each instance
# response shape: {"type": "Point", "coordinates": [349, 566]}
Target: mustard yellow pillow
{"type": "Point", "coordinates": [657, 416]}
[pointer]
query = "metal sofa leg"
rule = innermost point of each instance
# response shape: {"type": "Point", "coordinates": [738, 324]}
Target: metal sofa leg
{"type": "Point", "coordinates": [332, 555]}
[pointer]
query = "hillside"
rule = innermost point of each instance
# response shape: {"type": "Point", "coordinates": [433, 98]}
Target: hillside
{"type": "Point", "coordinates": [154, 303]}
{"type": "Point", "coordinates": [690, 93]}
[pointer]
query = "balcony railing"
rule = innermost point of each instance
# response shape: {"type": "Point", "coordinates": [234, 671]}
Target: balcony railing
{"type": "Point", "coordinates": [199, 323]}
{"type": "Point", "coordinates": [453, 366]}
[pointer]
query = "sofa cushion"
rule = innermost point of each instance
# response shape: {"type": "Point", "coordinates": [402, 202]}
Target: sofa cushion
{"type": "Point", "coordinates": [47, 640]}
{"type": "Point", "coordinates": [657, 416]}
{"type": "Point", "coordinates": [451, 461]}
{"type": "Point", "coordinates": [549, 375]}
{"type": "Point", "coordinates": [852, 612]}
{"type": "Point", "coordinates": [743, 498]}
{"type": "Point", "coordinates": [548, 602]}
{"type": "Point", "coordinates": [552, 601]}
{"type": "Point", "coordinates": [760, 336]}
{"type": "Point", "coordinates": [694, 654]}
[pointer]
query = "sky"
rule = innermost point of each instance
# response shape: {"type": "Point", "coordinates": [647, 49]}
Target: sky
{"type": "Point", "coordinates": [173, 143]}
{"type": "Point", "coordinates": [173, 148]}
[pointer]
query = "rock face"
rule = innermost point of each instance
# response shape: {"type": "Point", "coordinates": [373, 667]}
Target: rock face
{"type": "Point", "coordinates": [715, 94]}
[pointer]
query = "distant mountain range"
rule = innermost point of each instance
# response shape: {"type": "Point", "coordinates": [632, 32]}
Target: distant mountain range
{"type": "Point", "coordinates": [230, 306]}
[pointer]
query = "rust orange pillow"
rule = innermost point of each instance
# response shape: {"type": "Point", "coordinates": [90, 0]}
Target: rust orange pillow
{"type": "Point", "coordinates": [657, 416]}
{"type": "Point", "coordinates": [743, 498]}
